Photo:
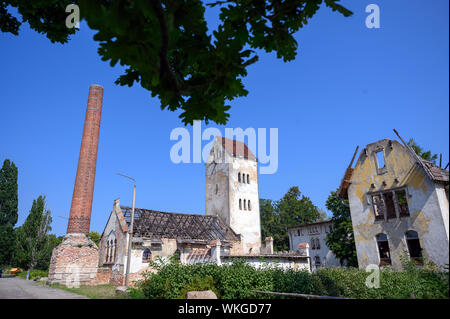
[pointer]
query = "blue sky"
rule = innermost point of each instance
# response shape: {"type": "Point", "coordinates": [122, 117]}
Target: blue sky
{"type": "Point", "coordinates": [348, 86]}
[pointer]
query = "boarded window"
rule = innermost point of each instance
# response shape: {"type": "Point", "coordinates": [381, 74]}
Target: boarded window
{"type": "Point", "coordinates": [402, 203]}
{"type": "Point", "coordinates": [413, 242]}
{"type": "Point", "coordinates": [383, 250]}
{"type": "Point", "coordinates": [390, 205]}
{"type": "Point", "coordinates": [378, 207]}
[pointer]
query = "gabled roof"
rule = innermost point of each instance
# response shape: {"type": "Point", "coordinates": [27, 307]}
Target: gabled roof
{"type": "Point", "coordinates": [153, 224]}
{"type": "Point", "coordinates": [236, 148]}
{"type": "Point", "coordinates": [440, 175]}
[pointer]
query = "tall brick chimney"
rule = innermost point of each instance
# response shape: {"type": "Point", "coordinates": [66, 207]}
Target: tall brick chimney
{"type": "Point", "coordinates": [80, 210]}
{"type": "Point", "coordinates": [75, 260]}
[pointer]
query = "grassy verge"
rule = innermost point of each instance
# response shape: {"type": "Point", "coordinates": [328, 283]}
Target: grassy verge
{"type": "Point", "coordinates": [106, 291]}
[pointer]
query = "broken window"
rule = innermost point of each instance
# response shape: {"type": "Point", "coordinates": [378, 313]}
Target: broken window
{"type": "Point", "coordinates": [317, 261]}
{"type": "Point", "coordinates": [413, 243]}
{"type": "Point", "coordinates": [380, 159]}
{"type": "Point", "coordinates": [383, 250]}
{"type": "Point", "coordinates": [402, 203]}
{"type": "Point", "coordinates": [378, 207]}
{"type": "Point", "coordinates": [146, 255]}
{"type": "Point", "coordinates": [389, 204]}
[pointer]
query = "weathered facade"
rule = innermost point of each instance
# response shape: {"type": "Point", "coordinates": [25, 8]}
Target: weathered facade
{"type": "Point", "coordinates": [232, 190]}
{"type": "Point", "coordinates": [314, 235]}
{"type": "Point", "coordinates": [399, 206]}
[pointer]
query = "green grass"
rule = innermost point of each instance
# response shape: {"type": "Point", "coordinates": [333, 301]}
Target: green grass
{"type": "Point", "coordinates": [106, 291]}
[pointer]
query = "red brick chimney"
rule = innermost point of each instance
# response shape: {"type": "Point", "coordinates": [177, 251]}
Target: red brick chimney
{"type": "Point", "coordinates": [80, 211]}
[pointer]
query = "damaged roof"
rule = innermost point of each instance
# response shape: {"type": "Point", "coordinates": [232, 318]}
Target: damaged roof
{"type": "Point", "coordinates": [183, 227]}
{"type": "Point", "coordinates": [236, 148]}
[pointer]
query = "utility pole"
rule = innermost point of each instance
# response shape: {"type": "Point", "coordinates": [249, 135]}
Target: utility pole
{"type": "Point", "coordinates": [130, 231]}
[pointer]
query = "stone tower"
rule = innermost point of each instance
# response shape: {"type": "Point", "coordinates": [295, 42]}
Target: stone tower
{"type": "Point", "coordinates": [232, 190]}
{"type": "Point", "coordinates": [75, 260]}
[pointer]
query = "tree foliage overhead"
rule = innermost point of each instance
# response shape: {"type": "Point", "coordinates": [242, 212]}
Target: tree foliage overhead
{"type": "Point", "coordinates": [8, 210]}
{"type": "Point", "coordinates": [291, 210]}
{"type": "Point", "coordinates": [426, 155]}
{"type": "Point", "coordinates": [167, 48]}
{"type": "Point", "coordinates": [341, 240]}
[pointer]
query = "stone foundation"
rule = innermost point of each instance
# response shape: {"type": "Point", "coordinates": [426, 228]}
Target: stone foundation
{"type": "Point", "coordinates": [74, 262]}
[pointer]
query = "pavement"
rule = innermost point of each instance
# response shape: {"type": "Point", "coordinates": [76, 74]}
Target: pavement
{"type": "Point", "coordinates": [18, 288]}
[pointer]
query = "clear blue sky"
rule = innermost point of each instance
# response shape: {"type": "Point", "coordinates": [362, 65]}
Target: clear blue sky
{"type": "Point", "coordinates": [348, 86]}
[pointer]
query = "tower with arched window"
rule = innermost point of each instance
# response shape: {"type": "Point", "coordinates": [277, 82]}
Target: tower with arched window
{"type": "Point", "coordinates": [232, 190]}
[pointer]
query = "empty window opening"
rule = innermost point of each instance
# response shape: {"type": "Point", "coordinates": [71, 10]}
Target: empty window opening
{"type": "Point", "coordinates": [248, 179]}
{"type": "Point", "coordinates": [317, 261]}
{"type": "Point", "coordinates": [383, 250]}
{"type": "Point", "coordinates": [413, 242]}
{"type": "Point", "coordinates": [390, 205]}
{"type": "Point", "coordinates": [317, 243]}
{"type": "Point", "coordinates": [146, 255]}
{"type": "Point", "coordinates": [380, 159]}
{"type": "Point", "coordinates": [240, 204]}
{"type": "Point", "coordinates": [239, 177]}
{"type": "Point", "coordinates": [217, 189]}
{"type": "Point", "coordinates": [313, 243]}
{"type": "Point", "coordinates": [402, 203]}
{"type": "Point", "coordinates": [245, 204]}
{"type": "Point", "coordinates": [249, 206]}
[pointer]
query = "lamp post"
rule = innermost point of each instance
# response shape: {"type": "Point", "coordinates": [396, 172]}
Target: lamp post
{"type": "Point", "coordinates": [130, 230]}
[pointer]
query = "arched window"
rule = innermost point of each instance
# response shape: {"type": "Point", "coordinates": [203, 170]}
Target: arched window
{"type": "Point", "coordinates": [110, 250]}
{"type": "Point", "coordinates": [240, 204]}
{"type": "Point", "coordinates": [383, 249]}
{"type": "Point", "coordinates": [248, 179]}
{"type": "Point", "coordinates": [107, 252]}
{"type": "Point", "coordinates": [413, 243]}
{"type": "Point", "coordinates": [249, 206]}
{"type": "Point", "coordinates": [245, 204]}
{"type": "Point", "coordinates": [239, 177]}
{"type": "Point", "coordinates": [146, 255]}
{"type": "Point", "coordinates": [313, 243]}
{"type": "Point", "coordinates": [115, 250]}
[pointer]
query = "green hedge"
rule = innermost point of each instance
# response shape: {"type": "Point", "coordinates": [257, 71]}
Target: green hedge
{"type": "Point", "coordinates": [33, 274]}
{"type": "Point", "coordinates": [240, 280]}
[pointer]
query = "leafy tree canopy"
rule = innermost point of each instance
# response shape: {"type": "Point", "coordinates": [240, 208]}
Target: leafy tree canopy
{"type": "Point", "coordinates": [426, 155]}
{"type": "Point", "coordinates": [291, 210]}
{"type": "Point", "coordinates": [341, 240]}
{"type": "Point", "coordinates": [94, 236]}
{"type": "Point", "coordinates": [33, 244]}
{"type": "Point", "coordinates": [167, 47]}
{"type": "Point", "coordinates": [8, 210]}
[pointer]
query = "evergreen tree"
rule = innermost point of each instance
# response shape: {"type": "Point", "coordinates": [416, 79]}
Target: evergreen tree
{"type": "Point", "coordinates": [33, 246]}
{"type": "Point", "coordinates": [341, 240]}
{"type": "Point", "coordinates": [8, 210]}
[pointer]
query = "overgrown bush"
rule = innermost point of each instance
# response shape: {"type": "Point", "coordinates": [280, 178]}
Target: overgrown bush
{"type": "Point", "coordinates": [33, 274]}
{"type": "Point", "coordinates": [240, 280]}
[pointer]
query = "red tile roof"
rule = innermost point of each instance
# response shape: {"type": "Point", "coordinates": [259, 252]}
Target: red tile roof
{"type": "Point", "coordinates": [236, 148]}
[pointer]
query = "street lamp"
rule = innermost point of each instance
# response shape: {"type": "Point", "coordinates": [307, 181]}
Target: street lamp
{"type": "Point", "coordinates": [130, 230]}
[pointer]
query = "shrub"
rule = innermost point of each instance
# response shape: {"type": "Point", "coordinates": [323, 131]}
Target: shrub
{"type": "Point", "coordinates": [33, 274]}
{"type": "Point", "coordinates": [240, 280]}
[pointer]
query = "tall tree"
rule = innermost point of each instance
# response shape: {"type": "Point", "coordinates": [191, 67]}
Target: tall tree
{"type": "Point", "coordinates": [341, 240]}
{"type": "Point", "coordinates": [291, 210]}
{"type": "Point", "coordinates": [8, 210]}
{"type": "Point", "coordinates": [166, 46]}
{"type": "Point", "coordinates": [426, 155]}
{"type": "Point", "coordinates": [94, 236]}
{"type": "Point", "coordinates": [33, 242]}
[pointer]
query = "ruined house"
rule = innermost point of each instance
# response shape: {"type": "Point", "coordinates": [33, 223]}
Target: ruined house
{"type": "Point", "coordinates": [399, 206]}
{"type": "Point", "coordinates": [314, 235]}
{"type": "Point", "coordinates": [229, 229]}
